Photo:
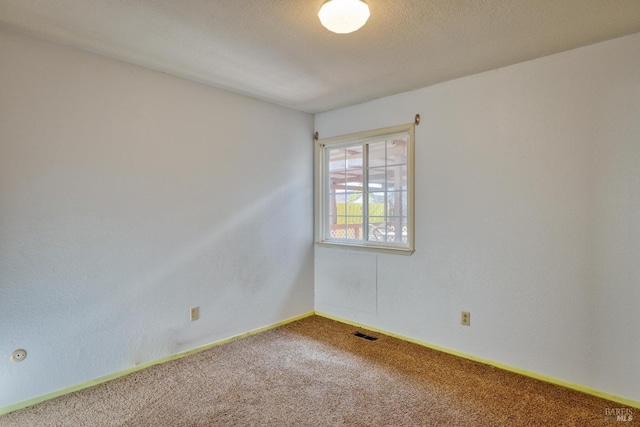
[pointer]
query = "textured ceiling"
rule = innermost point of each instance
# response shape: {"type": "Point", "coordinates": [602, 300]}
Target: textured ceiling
{"type": "Point", "coordinates": [277, 50]}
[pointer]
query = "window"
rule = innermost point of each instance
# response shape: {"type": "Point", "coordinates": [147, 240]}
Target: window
{"type": "Point", "coordinates": [364, 190]}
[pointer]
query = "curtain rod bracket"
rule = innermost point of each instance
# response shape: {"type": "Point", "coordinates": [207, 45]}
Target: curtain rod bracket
{"type": "Point", "coordinates": [316, 136]}
{"type": "Point", "coordinates": [417, 121]}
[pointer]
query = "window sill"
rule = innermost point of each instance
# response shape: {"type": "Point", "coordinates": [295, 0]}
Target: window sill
{"type": "Point", "coordinates": [368, 248]}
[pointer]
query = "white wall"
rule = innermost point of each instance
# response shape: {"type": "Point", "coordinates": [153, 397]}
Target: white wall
{"type": "Point", "coordinates": [128, 196]}
{"type": "Point", "coordinates": [527, 215]}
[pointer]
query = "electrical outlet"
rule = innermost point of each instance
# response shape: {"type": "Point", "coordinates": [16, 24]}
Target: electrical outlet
{"type": "Point", "coordinates": [195, 313]}
{"type": "Point", "coordinates": [465, 318]}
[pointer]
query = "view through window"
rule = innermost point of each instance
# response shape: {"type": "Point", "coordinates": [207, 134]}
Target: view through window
{"type": "Point", "coordinates": [366, 190]}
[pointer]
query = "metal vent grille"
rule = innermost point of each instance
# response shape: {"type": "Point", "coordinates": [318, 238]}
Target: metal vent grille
{"type": "Point", "coordinates": [364, 336]}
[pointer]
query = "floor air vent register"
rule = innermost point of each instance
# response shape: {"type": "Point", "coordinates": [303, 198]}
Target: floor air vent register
{"type": "Point", "coordinates": [364, 336]}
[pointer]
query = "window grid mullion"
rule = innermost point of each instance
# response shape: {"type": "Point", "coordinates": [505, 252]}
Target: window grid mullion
{"type": "Point", "coordinates": [327, 193]}
{"type": "Point", "coordinates": [365, 192]}
{"type": "Point", "coordinates": [346, 194]}
{"type": "Point", "coordinates": [386, 193]}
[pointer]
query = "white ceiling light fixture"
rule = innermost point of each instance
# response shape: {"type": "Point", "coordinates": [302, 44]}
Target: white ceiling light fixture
{"type": "Point", "coordinates": [343, 16]}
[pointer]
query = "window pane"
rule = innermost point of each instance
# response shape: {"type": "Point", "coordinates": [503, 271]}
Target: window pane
{"type": "Point", "coordinates": [353, 219]}
{"type": "Point", "coordinates": [388, 179]}
{"type": "Point", "coordinates": [377, 204]}
{"type": "Point", "coordinates": [354, 227]}
{"type": "Point", "coordinates": [333, 220]}
{"type": "Point", "coordinates": [352, 203]}
{"type": "Point", "coordinates": [396, 229]}
{"type": "Point", "coordinates": [337, 161]}
{"type": "Point", "coordinates": [377, 154]}
{"type": "Point", "coordinates": [337, 169]}
{"type": "Point", "coordinates": [397, 178]}
{"type": "Point", "coordinates": [336, 203]}
{"type": "Point", "coordinates": [397, 151]}
{"type": "Point", "coordinates": [355, 179]}
{"type": "Point", "coordinates": [377, 179]}
{"type": "Point", "coordinates": [354, 210]}
{"type": "Point", "coordinates": [397, 203]}
{"type": "Point", "coordinates": [337, 180]}
{"type": "Point", "coordinates": [381, 230]}
{"type": "Point", "coordinates": [354, 157]}
{"type": "Point", "coordinates": [338, 231]}
{"type": "Point", "coordinates": [377, 226]}
{"type": "Point", "coordinates": [376, 220]}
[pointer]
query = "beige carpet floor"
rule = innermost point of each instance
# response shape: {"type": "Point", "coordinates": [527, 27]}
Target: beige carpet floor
{"type": "Point", "coordinates": [314, 372]}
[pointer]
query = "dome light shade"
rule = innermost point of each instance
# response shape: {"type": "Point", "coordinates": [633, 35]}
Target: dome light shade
{"type": "Point", "coordinates": [343, 16]}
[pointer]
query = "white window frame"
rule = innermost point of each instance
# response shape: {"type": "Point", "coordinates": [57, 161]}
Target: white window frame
{"type": "Point", "coordinates": [322, 191]}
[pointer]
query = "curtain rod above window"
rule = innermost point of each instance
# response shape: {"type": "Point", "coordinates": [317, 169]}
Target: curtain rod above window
{"type": "Point", "coordinates": [416, 121]}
